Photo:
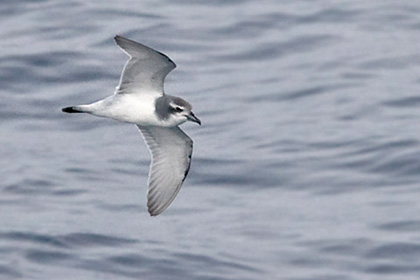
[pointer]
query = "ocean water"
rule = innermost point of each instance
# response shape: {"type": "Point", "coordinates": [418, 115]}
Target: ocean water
{"type": "Point", "coordinates": [306, 167]}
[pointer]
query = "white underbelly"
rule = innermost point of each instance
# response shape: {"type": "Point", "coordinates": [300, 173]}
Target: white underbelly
{"type": "Point", "coordinates": [131, 108]}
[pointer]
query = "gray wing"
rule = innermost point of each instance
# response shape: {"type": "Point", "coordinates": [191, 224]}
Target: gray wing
{"type": "Point", "coordinates": [145, 70]}
{"type": "Point", "coordinates": [171, 151]}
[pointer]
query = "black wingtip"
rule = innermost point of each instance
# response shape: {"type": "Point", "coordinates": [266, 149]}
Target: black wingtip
{"type": "Point", "coordinates": [70, 110]}
{"type": "Point", "coordinates": [117, 37]}
{"type": "Point", "coordinates": [152, 214]}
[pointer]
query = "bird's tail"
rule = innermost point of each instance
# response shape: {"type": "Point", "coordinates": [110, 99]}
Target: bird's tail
{"type": "Point", "coordinates": [76, 109]}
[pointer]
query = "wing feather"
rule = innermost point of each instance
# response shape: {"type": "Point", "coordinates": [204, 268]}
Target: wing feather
{"type": "Point", "coordinates": [145, 70]}
{"type": "Point", "coordinates": [171, 151]}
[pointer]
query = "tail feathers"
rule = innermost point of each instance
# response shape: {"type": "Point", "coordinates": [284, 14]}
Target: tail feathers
{"type": "Point", "coordinates": [72, 109]}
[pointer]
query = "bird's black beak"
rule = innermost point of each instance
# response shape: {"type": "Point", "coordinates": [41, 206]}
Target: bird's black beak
{"type": "Point", "coordinates": [193, 118]}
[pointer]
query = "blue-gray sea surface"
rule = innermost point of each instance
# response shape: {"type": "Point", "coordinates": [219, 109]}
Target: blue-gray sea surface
{"type": "Point", "coordinates": [307, 165]}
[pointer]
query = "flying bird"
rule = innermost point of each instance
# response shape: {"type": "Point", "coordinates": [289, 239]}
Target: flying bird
{"type": "Point", "coordinates": [140, 99]}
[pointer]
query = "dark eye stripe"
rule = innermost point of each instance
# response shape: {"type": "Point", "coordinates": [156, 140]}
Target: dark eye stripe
{"type": "Point", "coordinates": [178, 109]}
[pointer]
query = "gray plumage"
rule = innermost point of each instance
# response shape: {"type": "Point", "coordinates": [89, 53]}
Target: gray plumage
{"type": "Point", "coordinates": [170, 165]}
{"type": "Point", "coordinates": [167, 105]}
{"type": "Point", "coordinates": [140, 99]}
{"type": "Point", "coordinates": [146, 69]}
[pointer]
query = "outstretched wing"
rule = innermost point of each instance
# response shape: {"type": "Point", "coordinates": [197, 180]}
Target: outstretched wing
{"type": "Point", "coordinates": [171, 151]}
{"type": "Point", "coordinates": [145, 70]}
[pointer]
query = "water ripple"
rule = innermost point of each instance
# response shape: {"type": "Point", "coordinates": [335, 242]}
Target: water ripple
{"type": "Point", "coordinates": [306, 166]}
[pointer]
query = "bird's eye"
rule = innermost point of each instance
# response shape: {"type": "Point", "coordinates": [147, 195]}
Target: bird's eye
{"type": "Point", "coordinates": [178, 109]}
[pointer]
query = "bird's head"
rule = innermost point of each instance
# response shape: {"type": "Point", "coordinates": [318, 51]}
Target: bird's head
{"type": "Point", "coordinates": [181, 111]}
